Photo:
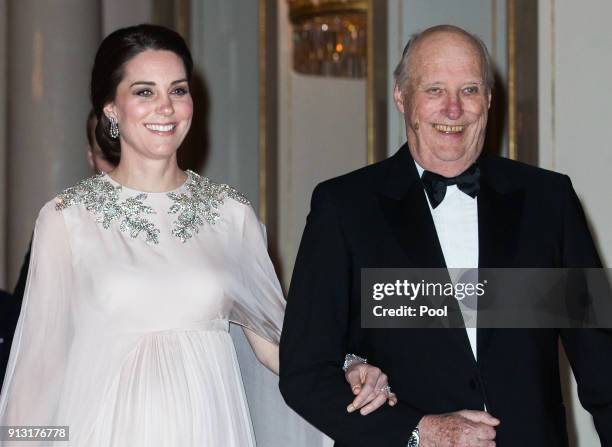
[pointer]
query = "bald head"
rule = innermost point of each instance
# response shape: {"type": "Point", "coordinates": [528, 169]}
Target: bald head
{"type": "Point", "coordinates": [407, 68]}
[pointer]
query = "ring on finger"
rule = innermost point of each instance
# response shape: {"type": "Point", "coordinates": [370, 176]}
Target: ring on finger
{"type": "Point", "coordinates": [386, 390]}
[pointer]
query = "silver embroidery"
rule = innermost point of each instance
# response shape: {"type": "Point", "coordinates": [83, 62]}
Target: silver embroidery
{"type": "Point", "coordinates": [101, 197]}
{"type": "Point", "coordinates": [200, 202]}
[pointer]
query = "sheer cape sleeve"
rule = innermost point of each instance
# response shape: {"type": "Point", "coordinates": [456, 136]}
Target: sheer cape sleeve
{"type": "Point", "coordinates": [36, 368]}
{"type": "Point", "coordinates": [258, 302]}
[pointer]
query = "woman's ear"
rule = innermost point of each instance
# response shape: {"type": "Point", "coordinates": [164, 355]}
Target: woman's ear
{"type": "Point", "coordinates": [109, 110]}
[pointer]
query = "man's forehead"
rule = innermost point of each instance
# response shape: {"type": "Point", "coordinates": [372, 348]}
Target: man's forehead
{"type": "Point", "coordinates": [448, 52]}
{"type": "Point", "coordinates": [451, 42]}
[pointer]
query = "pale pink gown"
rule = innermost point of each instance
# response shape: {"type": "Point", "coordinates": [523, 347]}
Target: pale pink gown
{"type": "Point", "coordinates": [123, 334]}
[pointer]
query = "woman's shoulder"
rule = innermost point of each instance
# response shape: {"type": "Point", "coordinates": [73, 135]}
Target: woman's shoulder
{"type": "Point", "coordinates": [86, 191]}
{"type": "Point", "coordinates": [49, 214]}
{"type": "Point", "coordinates": [70, 196]}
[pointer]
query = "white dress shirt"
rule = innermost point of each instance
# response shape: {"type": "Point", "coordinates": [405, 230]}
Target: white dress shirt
{"type": "Point", "coordinates": [456, 222]}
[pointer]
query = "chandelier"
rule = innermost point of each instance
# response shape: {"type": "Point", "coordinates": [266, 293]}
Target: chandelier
{"type": "Point", "coordinates": [329, 37]}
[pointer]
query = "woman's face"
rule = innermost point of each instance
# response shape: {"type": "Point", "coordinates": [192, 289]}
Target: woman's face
{"type": "Point", "coordinates": [152, 105]}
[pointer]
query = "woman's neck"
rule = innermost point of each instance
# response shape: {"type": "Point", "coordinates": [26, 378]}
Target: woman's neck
{"type": "Point", "coordinates": [149, 175]}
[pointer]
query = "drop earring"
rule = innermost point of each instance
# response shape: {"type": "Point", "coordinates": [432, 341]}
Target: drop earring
{"type": "Point", "coordinates": [114, 128]}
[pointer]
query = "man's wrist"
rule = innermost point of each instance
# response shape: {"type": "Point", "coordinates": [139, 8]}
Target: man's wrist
{"type": "Point", "coordinates": [427, 427]}
{"type": "Point", "coordinates": [417, 433]}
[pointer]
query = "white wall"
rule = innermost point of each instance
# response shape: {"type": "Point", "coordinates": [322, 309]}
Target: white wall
{"type": "Point", "coordinates": [575, 94]}
{"type": "Point", "coordinates": [575, 44]}
{"type": "Point", "coordinates": [121, 13]}
{"type": "Point", "coordinates": [325, 136]}
{"type": "Point", "coordinates": [225, 50]}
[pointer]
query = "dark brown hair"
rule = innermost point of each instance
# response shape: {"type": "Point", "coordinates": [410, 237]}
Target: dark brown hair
{"type": "Point", "coordinates": [114, 52]}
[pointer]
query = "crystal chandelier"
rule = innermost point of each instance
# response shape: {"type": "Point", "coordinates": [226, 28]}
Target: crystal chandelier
{"type": "Point", "coordinates": [329, 37]}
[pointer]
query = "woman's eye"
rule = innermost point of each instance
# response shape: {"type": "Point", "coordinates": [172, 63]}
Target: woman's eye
{"type": "Point", "coordinates": [144, 92]}
{"type": "Point", "coordinates": [180, 91]}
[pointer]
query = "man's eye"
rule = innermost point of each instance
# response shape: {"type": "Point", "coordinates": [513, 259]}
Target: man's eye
{"type": "Point", "coordinates": [180, 91]}
{"type": "Point", "coordinates": [434, 90]}
{"type": "Point", "coordinates": [471, 90]}
{"type": "Point", "coordinates": [145, 92]}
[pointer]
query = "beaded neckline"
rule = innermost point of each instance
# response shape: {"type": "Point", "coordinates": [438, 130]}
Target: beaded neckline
{"type": "Point", "coordinates": [197, 201]}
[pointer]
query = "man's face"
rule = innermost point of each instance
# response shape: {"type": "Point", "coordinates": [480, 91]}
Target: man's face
{"type": "Point", "coordinates": [445, 103]}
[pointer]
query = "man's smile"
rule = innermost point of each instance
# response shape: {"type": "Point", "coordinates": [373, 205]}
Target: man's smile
{"type": "Point", "coordinates": [448, 129]}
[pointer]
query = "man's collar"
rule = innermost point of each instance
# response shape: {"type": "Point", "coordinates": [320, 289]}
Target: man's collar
{"type": "Point", "coordinates": [420, 169]}
{"type": "Point", "coordinates": [402, 171]}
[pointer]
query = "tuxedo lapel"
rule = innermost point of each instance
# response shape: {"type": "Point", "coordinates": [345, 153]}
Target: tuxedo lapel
{"type": "Point", "coordinates": [404, 206]}
{"type": "Point", "coordinates": [499, 217]}
{"type": "Point", "coordinates": [412, 226]}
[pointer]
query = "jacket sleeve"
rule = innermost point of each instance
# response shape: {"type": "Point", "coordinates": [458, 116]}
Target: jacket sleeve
{"type": "Point", "coordinates": [589, 351]}
{"type": "Point", "coordinates": [314, 339]}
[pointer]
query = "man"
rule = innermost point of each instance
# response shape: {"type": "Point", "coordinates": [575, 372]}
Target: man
{"type": "Point", "coordinates": [490, 212]}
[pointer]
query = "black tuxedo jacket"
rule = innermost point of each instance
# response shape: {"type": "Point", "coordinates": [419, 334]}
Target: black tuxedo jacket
{"type": "Point", "coordinates": [378, 216]}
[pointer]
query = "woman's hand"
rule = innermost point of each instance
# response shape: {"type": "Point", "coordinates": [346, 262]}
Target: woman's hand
{"type": "Point", "coordinates": [370, 386]}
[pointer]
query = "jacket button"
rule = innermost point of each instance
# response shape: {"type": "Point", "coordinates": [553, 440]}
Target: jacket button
{"type": "Point", "coordinates": [474, 384]}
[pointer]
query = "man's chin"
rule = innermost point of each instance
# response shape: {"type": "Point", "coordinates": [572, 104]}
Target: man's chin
{"type": "Point", "coordinates": [448, 163]}
{"type": "Point", "coordinates": [451, 156]}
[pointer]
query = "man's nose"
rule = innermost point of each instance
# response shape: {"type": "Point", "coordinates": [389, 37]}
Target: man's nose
{"type": "Point", "coordinates": [453, 108]}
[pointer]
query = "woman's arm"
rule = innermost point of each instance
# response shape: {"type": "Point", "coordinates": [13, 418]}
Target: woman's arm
{"type": "Point", "coordinates": [366, 381]}
{"type": "Point", "coordinates": [265, 351]}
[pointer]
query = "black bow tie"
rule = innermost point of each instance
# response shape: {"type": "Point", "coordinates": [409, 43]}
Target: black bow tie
{"type": "Point", "coordinates": [435, 185]}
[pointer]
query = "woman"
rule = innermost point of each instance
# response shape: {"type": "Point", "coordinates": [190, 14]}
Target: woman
{"type": "Point", "coordinates": [135, 276]}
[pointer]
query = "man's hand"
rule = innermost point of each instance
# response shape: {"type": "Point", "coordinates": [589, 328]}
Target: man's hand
{"type": "Point", "coordinates": [367, 383]}
{"type": "Point", "coordinates": [465, 428]}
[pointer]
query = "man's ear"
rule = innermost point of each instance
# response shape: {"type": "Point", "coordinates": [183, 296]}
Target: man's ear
{"type": "Point", "coordinates": [398, 97]}
{"type": "Point", "coordinates": [489, 101]}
